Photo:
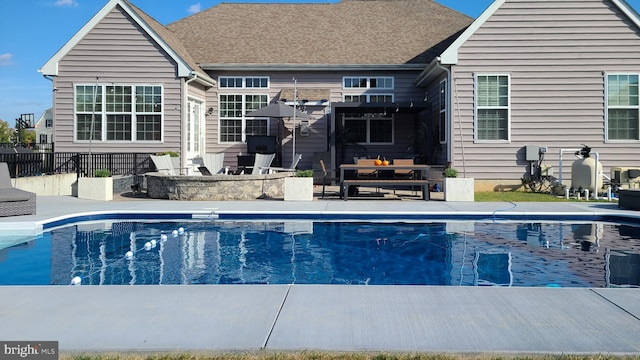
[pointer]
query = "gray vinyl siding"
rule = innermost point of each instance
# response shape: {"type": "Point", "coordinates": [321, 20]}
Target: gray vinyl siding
{"type": "Point", "coordinates": [556, 54]}
{"type": "Point", "coordinates": [318, 139]}
{"type": "Point", "coordinates": [117, 51]}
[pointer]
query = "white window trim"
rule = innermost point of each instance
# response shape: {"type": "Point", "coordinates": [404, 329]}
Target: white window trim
{"type": "Point", "coordinates": [103, 114]}
{"type": "Point", "coordinates": [475, 110]}
{"type": "Point", "coordinates": [243, 118]}
{"type": "Point", "coordinates": [607, 107]}
{"type": "Point", "coordinates": [244, 82]}
{"type": "Point", "coordinates": [393, 82]}
{"type": "Point", "coordinates": [203, 122]}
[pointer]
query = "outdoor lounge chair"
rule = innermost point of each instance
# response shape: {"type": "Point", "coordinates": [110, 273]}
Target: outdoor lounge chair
{"type": "Point", "coordinates": [14, 201]}
{"type": "Point", "coordinates": [214, 163]}
{"type": "Point", "coordinates": [291, 168]}
{"type": "Point", "coordinates": [261, 162]}
{"type": "Point", "coordinates": [163, 164]}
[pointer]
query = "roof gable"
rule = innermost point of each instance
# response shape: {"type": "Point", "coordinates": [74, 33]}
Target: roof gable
{"type": "Point", "coordinates": [162, 36]}
{"type": "Point", "coordinates": [450, 55]}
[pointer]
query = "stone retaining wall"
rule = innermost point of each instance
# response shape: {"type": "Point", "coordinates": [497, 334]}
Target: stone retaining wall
{"type": "Point", "coordinates": [216, 187]}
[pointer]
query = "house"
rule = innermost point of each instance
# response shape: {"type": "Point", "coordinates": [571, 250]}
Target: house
{"type": "Point", "coordinates": [554, 74]}
{"type": "Point", "coordinates": [187, 87]}
{"type": "Point", "coordinates": [44, 127]}
{"type": "Point", "coordinates": [388, 78]}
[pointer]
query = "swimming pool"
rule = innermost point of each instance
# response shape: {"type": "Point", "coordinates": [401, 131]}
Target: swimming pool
{"type": "Point", "coordinates": [308, 251]}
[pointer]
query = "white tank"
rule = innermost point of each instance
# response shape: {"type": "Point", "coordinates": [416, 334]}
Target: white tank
{"type": "Point", "coordinates": [583, 174]}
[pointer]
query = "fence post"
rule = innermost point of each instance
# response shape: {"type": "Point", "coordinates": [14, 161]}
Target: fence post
{"type": "Point", "coordinates": [76, 158]}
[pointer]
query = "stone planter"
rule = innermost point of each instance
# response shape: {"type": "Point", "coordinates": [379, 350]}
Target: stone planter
{"type": "Point", "coordinates": [459, 189]}
{"type": "Point", "coordinates": [298, 189]}
{"type": "Point", "coordinates": [93, 188]}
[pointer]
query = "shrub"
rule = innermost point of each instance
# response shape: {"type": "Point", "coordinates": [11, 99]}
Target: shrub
{"type": "Point", "coordinates": [170, 153]}
{"type": "Point", "coordinates": [450, 173]}
{"type": "Point", "coordinates": [304, 173]}
{"type": "Point", "coordinates": [102, 173]}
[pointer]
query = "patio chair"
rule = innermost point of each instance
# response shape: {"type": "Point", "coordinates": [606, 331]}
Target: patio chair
{"type": "Point", "coordinates": [326, 177]}
{"type": "Point", "coordinates": [404, 173]}
{"type": "Point", "coordinates": [367, 172]}
{"type": "Point", "coordinates": [291, 168]}
{"type": "Point", "coordinates": [163, 164]}
{"type": "Point", "coordinates": [214, 163]}
{"type": "Point", "coordinates": [261, 162]}
{"type": "Point", "coordinates": [14, 201]}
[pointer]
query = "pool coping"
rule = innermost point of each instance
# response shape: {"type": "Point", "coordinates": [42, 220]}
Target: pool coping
{"type": "Point", "coordinates": [222, 318]}
{"type": "Point", "coordinates": [36, 227]}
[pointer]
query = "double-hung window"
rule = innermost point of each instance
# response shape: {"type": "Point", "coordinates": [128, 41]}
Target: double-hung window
{"type": "Point", "coordinates": [369, 128]}
{"type": "Point", "coordinates": [492, 108]}
{"type": "Point", "coordinates": [368, 82]}
{"type": "Point", "coordinates": [118, 112]}
{"type": "Point", "coordinates": [235, 126]}
{"type": "Point", "coordinates": [622, 107]}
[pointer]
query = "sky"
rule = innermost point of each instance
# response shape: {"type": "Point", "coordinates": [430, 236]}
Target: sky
{"type": "Point", "coordinates": [32, 31]}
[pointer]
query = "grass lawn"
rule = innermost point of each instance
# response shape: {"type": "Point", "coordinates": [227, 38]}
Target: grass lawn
{"type": "Point", "coordinates": [521, 196]}
{"type": "Point", "coordinates": [335, 356]}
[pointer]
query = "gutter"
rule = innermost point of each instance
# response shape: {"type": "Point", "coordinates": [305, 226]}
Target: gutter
{"type": "Point", "coordinates": [312, 67]}
{"type": "Point", "coordinates": [439, 65]}
{"type": "Point", "coordinates": [426, 73]}
{"type": "Point", "coordinates": [206, 82]}
{"type": "Point", "coordinates": [193, 76]}
{"type": "Point", "coordinates": [183, 121]}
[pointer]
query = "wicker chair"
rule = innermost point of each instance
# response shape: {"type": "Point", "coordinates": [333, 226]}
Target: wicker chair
{"type": "Point", "coordinates": [14, 201]}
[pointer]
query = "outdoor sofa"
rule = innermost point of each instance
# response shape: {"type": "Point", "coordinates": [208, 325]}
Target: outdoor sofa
{"type": "Point", "coordinates": [14, 201]}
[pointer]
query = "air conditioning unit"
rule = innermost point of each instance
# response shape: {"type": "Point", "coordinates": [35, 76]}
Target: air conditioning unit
{"type": "Point", "coordinates": [626, 177]}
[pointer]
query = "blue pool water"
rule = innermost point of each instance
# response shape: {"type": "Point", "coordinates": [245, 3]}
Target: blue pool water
{"type": "Point", "coordinates": [538, 254]}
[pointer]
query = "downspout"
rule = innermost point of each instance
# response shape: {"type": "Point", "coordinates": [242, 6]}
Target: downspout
{"type": "Point", "coordinates": [53, 104]}
{"type": "Point", "coordinates": [183, 123]}
{"type": "Point", "coordinates": [450, 118]}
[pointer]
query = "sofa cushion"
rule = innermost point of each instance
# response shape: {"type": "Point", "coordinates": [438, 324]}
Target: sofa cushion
{"type": "Point", "coordinates": [5, 178]}
{"type": "Point", "coordinates": [14, 195]}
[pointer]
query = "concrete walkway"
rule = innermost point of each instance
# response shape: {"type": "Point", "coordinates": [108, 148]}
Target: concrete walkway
{"type": "Point", "coordinates": [321, 317]}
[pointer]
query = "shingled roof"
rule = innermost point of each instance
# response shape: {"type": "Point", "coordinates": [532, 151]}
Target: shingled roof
{"type": "Point", "coordinates": [351, 32]}
{"type": "Point", "coordinates": [169, 38]}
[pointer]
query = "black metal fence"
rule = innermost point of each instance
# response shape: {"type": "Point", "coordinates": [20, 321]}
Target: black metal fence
{"type": "Point", "coordinates": [22, 164]}
{"type": "Point", "coordinates": [42, 147]}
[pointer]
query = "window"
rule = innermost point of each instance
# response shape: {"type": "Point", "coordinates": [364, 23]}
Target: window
{"type": "Point", "coordinates": [622, 107]}
{"type": "Point", "coordinates": [369, 98]}
{"type": "Point", "coordinates": [243, 82]}
{"type": "Point", "coordinates": [443, 112]}
{"type": "Point", "coordinates": [233, 121]}
{"type": "Point", "coordinates": [48, 123]}
{"type": "Point", "coordinates": [369, 128]}
{"type": "Point", "coordinates": [492, 108]}
{"type": "Point", "coordinates": [380, 82]}
{"type": "Point", "coordinates": [43, 138]}
{"type": "Point", "coordinates": [89, 112]}
{"type": "Point", "coordinates": [121, 113]}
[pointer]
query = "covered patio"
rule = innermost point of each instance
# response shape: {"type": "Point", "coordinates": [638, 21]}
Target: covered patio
{"type": "Point", "coordinates": [391, 130]}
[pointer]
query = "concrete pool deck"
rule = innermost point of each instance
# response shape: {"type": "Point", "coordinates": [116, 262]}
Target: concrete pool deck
{"type": "Point", "coordinates": [219, 318]}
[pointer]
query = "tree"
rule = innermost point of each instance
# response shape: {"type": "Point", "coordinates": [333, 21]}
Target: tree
{"type": "Point", "coordinates": [27, 136]}
{"type": "Point", "coordinates": [6, 133]}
